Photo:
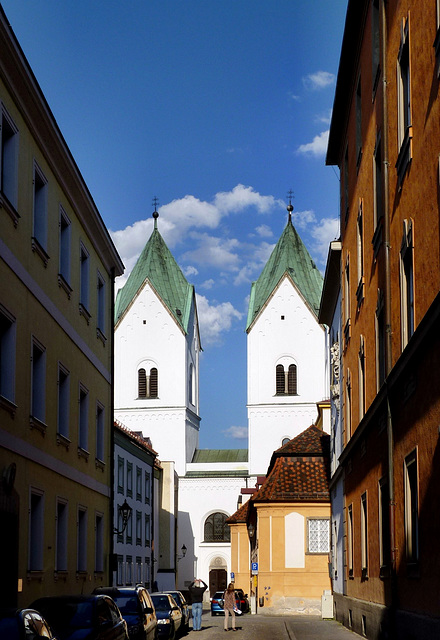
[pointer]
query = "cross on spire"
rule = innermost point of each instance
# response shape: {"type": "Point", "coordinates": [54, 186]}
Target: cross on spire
{"type": "Point", "coordinates": [290, 205]}
{"type": "Point", "coordinates": [155, 202]}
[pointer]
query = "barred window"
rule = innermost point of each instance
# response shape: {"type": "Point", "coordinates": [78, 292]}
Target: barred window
{"type": "Point", "coordinates": [216, 529]}
{"type": "Point", "coordinates": [318, 535]}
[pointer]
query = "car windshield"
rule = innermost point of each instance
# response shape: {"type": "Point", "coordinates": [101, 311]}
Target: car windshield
{"type": "Point", "coordinates": [9, 629]}
{"type": "Point", "coordinates": [161, 603]}
{"type": "Point", "coordinates": [177, 597]}
{"type": "Point", "coordinates": [75, 615]}
{"type": "Point", "coordinates": [127, 604]}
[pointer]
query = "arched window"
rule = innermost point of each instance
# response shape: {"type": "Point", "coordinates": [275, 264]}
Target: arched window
{"type": "Point", "coordinates": [147, 384]}
{"type": "Point", "coordinates": [216, 529]}
{"type": "Point", "coordinates": [286, 381]}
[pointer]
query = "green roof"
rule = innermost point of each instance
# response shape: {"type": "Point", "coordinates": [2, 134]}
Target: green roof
{"type": "Point", "coordinates": [220, 455]}
{"type": "Point", "coordinates": [157, 265]}
{"type": "Point", "coordinates": [290, 257]}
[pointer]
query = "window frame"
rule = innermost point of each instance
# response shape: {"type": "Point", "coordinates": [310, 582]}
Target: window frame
{"type": "Point", "coordinates": [411, 507]}
{"type": "Point", "coordinates": [407, 280]}
{"type": "Point", "coordinates": [64, 251]}
{"type": "Point", "coordinates": [83, 419]}
{"type": "Point", "coordinates": [213, 536]}
{"type": "Point", "coordinates": [361, 378]}
{"type": "Point", "coordinates": [63, 416]}
{"type": "Point", "coordinates": [9, 151]}
{"type": "Point", "coordinates": [8, 359]}
{"type": "Point", "coordinates": [101, 295]}
{"type": "Point", "coordinates": [364, 535]}
{"type": "Point", "coordinates": [404, 119]}
{"type": "Point", "coordinates": [40, 212]}
{"type": "Point", "coordinates": [36, 530]}
{"type": "Point", "coordinates": [61, 534]}
{"type": "Point", "coordinates": [314, 521]}
{"type": "Point", "coordinates": [84, 279]}
{"type": "Point", "coordinates": [100, 432]}
{"type": "Point", "coordinates": [81, 550]}
{"type": "Point", "coordinates": [38, 384]}
{"type": "Point", "coordinates": [99, 542]}
{"type": "Point", "coordinates": [350, 541]}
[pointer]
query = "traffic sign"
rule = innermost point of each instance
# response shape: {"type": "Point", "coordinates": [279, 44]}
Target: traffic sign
{"type": "Point", "coordinates": [254, 568]}
{"type": "Point", "coordinates": [232, 576]}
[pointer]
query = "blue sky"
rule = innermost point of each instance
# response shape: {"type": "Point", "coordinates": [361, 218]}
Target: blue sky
{"type": "Point", "coordinates": [218, 108]}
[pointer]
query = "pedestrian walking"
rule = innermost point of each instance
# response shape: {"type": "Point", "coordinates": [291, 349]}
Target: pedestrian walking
{"type": "Point", "coordinates": [196, 591]}
{"type": "Point", "coordinates": [229, 606]}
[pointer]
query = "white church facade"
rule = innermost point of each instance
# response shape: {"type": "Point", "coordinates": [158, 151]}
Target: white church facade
{"type": "Point", "coordinates": [157, 347]}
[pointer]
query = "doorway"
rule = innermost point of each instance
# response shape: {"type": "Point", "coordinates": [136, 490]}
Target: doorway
{"type": "Point", "coordinates": [217, 580]}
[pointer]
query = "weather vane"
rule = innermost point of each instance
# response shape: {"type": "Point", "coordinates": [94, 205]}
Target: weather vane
{"type": "Point", "coordinates": [290, 205]}
{"type": "Point", "coordinates": [155, 202]}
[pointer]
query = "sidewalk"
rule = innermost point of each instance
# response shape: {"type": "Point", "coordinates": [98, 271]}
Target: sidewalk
{"type": "Point", "coordinates": [260, 627]}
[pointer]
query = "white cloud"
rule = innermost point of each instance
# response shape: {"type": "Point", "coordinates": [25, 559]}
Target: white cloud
{"type": "Point", "coordinates": [318, 147]}
{"type": "Point", "coordinates": [189, 271]}
{"type": "Point", "coordinates": [264, 231]}
{"type": "Point", "coordinates": [208, 284]}
{"type": "Point", "coordinates": [318, 80]}
{"type": "Point", "coordinates": [242, 197]}
{"type": "Point", "coordinates": [237, 433]}
{"type": "Point", "coordinates": [303, 219]}
{"type": "Point", "coordinates": [214, 252]}
{"type": "Point", "coordinates": [323, 233]}
{"type": "Point", "coordinates": [215, 319]}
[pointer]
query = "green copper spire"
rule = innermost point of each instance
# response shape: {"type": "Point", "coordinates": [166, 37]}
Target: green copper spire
{"type": "Point", "coordinates": [290, 257]}
{"type": "Point", "coordinates": [157, 265]}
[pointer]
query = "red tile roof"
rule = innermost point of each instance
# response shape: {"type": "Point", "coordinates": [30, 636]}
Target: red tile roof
{"type": "Point", "coordinates": [240, 515]}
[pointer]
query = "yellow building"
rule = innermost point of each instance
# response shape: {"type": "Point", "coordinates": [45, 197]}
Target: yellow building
{"type": "Point", "coordinates": [287, 522]}
{"type": "Point", "coordinates": [57, 266]}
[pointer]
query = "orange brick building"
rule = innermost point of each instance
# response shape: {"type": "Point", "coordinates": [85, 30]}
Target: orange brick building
{"type": "Point", "coordinates": [385, 138]}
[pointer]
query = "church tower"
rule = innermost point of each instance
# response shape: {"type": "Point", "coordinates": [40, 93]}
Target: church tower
{"type": "Point", "coordinates": [286, 349]}
{"type": "Point", "coordinates": [157, 347]}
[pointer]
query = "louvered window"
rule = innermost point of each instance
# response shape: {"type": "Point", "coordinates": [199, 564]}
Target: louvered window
{"type": "Point", "coordinates": [280, 379]}
{"type": "Point", "coordinates": [153, 383]}
{"type": "Point", "coordinates": [286, 381]}
{"type": "Point", "coordinates": [291, 380]}
{"type": "Point", "coordinates": [142, 383]}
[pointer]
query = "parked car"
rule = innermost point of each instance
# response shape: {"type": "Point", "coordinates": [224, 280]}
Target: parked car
{"type": "Point", "coordinates": [136, 608]}
{"type": "Point", "coordinates": [94, 617]}
{"type": "Point", "coordinates": [24, 624]}
{"type": "Point", "coordinates": [241, 602]}
{"type": "Point", "coordinates": [184, 608]}
{"type": "Point", "coordinates": [169, 616]}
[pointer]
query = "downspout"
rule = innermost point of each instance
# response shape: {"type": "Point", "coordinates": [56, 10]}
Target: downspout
{"type": "Point", "coordinates": [112, 428]}
{"type": "Point", "coordinates": [388, 350]}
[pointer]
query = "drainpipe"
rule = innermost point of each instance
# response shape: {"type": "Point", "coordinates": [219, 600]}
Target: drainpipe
{"type": "Point", "coordinates": [112, 427]}
{"type": "Point", "coordinates": [388, 350]}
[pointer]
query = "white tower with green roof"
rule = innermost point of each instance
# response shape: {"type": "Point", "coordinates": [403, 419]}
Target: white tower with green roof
{"type": "Point", "coordinates": [286, 349]}
{"type": "Point", "coordinates": [157, 347]}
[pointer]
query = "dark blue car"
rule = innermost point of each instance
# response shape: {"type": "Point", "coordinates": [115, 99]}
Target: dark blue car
{"type": "Point", "coordinates": [136, 608]}
{"type": "Point", "coordinates": [24, 624]}
{"type": "Point", "coordinates": [94, 617]}
{"type": "Point", "coordinates": [169, 616]}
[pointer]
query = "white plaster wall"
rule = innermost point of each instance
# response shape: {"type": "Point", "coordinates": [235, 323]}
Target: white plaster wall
{"type": "Point", "coordinates": [294, 541]}
{"type": "Point", "coordinates": [198, 498]}
{"type": "Point", "coordinates": [300, 337]}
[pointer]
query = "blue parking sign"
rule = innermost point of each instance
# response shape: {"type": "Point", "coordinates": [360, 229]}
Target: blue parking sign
{"type": "Point", "coordinates": [254, 567]}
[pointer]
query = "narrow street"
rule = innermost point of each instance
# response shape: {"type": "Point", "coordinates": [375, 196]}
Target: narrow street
{"type": "Point", "coordinates": [260, 627]}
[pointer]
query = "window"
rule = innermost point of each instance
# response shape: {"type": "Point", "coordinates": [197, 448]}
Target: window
{"type": "Point", "coordinates": [139, 573]}
{"type": "Point", "coordinates": [7, 354]}
{"type": "Point", "coordinates": [216, 529]}
{"type": "Point", "coordinates": [384, 524]}
{"type": "Point", "coordinates": [129, 478]}
{"type": "Point", "coordinates": [61, 536]}
{"type": "Point", "coordinates": [9, 160]}
{"type": "Point", "coordinates": [380, 340]}
{"type": "Point", "coordinates": [286, 380]}
{"type": "Point", "coordinates": [361, 364]}
{"type": "Point", "coordinates": [147, 539]}
{"type": "Point", "coordinates": [101, 306]}
{"type": "Point", "coordinates": [375, 43]}
{"type": "Point", "coordinates": [138, 483]}
{"type": "Point", "coordinates": [350, 540]}
{"type": "Point", "coordinates": [348, 423]}
{"type": "Point", "coordinates": [346, 202]}
{"type": "Point", "coordinates": [129, 570]}
{"type": "Point", "coordinates": [82, 540]}
{"type": "Point", "coordinates": [347, 306]}
{"type": "Point", "coordinates": [147, 573]}
{"type": "Point", "coordinates": [147, 384]}
{"type": "Point", "coordinates": [83, 425]}
{"type": "Point", "coordinates": [377, 182]}
{"type": "Point", "coordinates": [404, 133]}
{"type": "Point", "coordinates": [38, 395]}
{"type": "Point", "coordinates": [121, 524]}
{"type": "Point", "coordinates": [411, 508]}
{"type": "Point", "coordinates": [99, 542]}
{"type": "Point", "coordinates": [147, 487]}
{"type": "Point", "coordinates": [318, 535]}
{"type": "Point", "coordinates": [63, 401]}
{"type": "Point", "coordinates": [191, 385]}
{"type": "Point", "coordinates": [64, 249]}
{"type": "Point", "coordinates": [129, 531]}
{"type": "Point", "coordinates": [407, 282]}
{"type": "Point", "coordinates": [84, 282]}
{"type": "Point", "coordinates": [36, 530]}
{"type": "Point", "coordinates": [100, 432]}
{"type": "Point", "coordinates": [120, 571]}
{"type": "Point", "coordinates": [120, 475]}
{"type": "Point", "coordinates": [138, 528]}
{"type": "Point", "coordinates": [360, 254]}
{"type": "Point", "coordinates": [364, 535]}
{"type": "Point", "coordinates": [358, 124]}
{"type": "Point", "coordinates": [40, 208]}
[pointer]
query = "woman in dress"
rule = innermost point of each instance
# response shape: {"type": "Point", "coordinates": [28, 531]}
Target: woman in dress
{"type": "Point", "coordinates": [228, 606]}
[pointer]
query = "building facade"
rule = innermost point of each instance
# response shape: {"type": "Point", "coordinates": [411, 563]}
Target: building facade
{"type": "Point", "coordinates": [57, 267]}
{"type": "Point", "coordinates": [384, 138]}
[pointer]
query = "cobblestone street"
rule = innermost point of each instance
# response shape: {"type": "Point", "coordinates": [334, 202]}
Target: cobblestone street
{"type": "Point", "coordinates": [259, 627]}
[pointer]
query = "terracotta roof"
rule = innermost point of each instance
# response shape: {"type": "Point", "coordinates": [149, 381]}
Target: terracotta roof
{"type": "Point", "coordinates": [139, 439]}
{"type": "Point", "coordinates": [299, 470]}
{"type": "Point", "coordinates": [296, 479]}
{"type": "Point", "coordinates": [240, 515]}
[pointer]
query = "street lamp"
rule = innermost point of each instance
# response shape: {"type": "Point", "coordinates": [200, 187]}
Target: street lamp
{"type": "Point", "coordinates": [125, 513]}
{"type": "Point", "coordinates": [183, 550]}
{"type": "Point", "coordinates": [251, 530]}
